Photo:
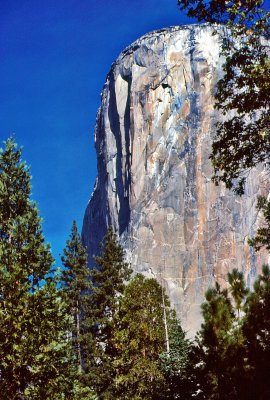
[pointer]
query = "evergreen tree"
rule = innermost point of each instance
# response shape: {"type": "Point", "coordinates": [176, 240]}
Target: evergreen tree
{"type": "Point", "coordinates": [108, 279]}
{"type": "Point", "coordinates": [139, 340]}
{"type": "Point", "coordinates": [176, 364]}
{"type": "Point", "coordinates": [256, 330]}
{"type": "Point", "coordinates": [262, 237]}
{"type": "Point", "coordinates": [232, 353]}
{"type": "Point", "coordinates": [33, 324]}
{"type": "Point", "coordinates": [238, 289]}
{"type": "Point", "coordinates": [233, 346]}
{"type": "Point", "coordinates": [76, 285]}
{"type": "Point", "coordinates": [220, 348]}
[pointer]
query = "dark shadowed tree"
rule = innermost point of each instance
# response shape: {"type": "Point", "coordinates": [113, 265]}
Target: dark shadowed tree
{"type": "Point", "coordinates": [233, 346]}
{"type": "Point", "coordinates": [108, 279]}
{"type": "Point", "coordinates": [220, 350]}
{"type": "Point", "coordinates": [256, 330]}
{"type": "Point", "coordinates": [262, 238]}
{"type": "Point", "coordinates": [237, 289]}
{"type": "Point", "coordinates": [34, 351]}
{"type": "Point", "coordinates": [176, 364]}
{"type": "Point", "coordinates": [76, 286]}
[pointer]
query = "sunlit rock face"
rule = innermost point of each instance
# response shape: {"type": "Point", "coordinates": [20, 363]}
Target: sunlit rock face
{"type": "Point", "coordinates": [153, 140]}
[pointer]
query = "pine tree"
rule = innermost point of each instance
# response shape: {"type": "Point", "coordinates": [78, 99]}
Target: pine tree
{"type": "Point", "coordinates": [238, 289]}
{"type": "Point", "coordinates": [108, 279]}
{"type": "Point", "coordinates": [220, 348]}
{"type": "Point", "coordinates": [233, 346]}
{"type": "Point", "coordinates": [262, 238]}
{"type": "Point", "coordinates": [33, 346]}
{"type": "Point", "coordinates": [256, 330]}
{"type": "Point", "coordinates": [139, 340]}
{"type": "Point", "coordinates": [76, 285]}
{"type": "Point", "coordinates": [176, 363]}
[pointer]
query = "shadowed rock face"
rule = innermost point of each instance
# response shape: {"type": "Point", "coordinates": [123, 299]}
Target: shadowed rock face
{"type": "Point", "coordinates": [153, 140]}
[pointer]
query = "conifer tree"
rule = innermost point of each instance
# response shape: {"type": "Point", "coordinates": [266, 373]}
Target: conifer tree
{"type": "Point", "coordinates": [139, 340]}
{"type": "Point", "coordinates": [238, 289]}
{"type": "Point", "coordinates": [176, 364]}
{"type": "Point", "coordinates": [220, 352]}
{"type": "Point", "coordinates": [33, 347]}
{"type": "Point", "coordinates": [76, 285]}
{"type": "Point", "coordinates": [256, 330]}
{"type": "Point", "coordinates": [262, 237]}
{"type": "Point", "coordinates": [108, 279]}
{"type": "Point", "coordinates": [231, 358]}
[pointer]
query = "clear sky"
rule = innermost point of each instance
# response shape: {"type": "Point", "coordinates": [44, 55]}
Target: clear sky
{"type": "Point", "coordinates": [55, 55]}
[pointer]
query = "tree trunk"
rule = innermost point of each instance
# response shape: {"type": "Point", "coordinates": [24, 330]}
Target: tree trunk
{"type": "Point", "coordinates": [78, 344]}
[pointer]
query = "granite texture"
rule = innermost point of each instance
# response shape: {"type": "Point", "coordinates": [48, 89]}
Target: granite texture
{"type": "Point", "coordinates": [153, 140]}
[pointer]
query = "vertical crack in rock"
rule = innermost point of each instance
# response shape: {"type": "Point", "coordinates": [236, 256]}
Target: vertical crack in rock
{"type": "Point", "coordinates": [153, 140]}
{"type": "Point", "coordinates": [118, 123]}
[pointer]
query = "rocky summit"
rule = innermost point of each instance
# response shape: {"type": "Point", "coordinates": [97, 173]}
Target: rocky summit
{"type": "Point", "coordinates": [153, 139]}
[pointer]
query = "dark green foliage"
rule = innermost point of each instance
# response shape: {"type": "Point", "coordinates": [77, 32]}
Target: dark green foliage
{"type": "Point", "coordinates": [233, 346]}
{"type": "Point", "coordinates": [124, 332]}
{"type": "Point", "coordinates": [238, 289]}
{"type": "Point", "coordinates": [228, 12]}
{"type": "Point", "coordinates": [220, 343]}
{"type": "Point", "coordinates": [256, 328]}
{"type": "Point", "coordinates": [33, 324]}
{"type": "Point", "coordinates": [144, 368]}
{"type": "Point", "coordinates": [139, 340]}
{"type": "Point", "coordinates": [262, 237]}
{"type": "Point", "coordinates": [108, 278]}
{"type": "Point", "coordinates": [76, 272]}
{"type": "Point", "coordinates": [108, 283]}
{"type": "Point", "coordinates": [175, 364]}
{"type": "Point", "coordinates": [82, 391]}
{"type": "Point", "coordinates": [76, 286]}
{"type": "Point", "coordinates": [214, 340]}
{"type": "Point", "coordinates": [242, 140]}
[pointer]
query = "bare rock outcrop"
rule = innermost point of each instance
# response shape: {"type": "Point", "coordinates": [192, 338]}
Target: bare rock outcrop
{"type": "Point", "coordinates": [153, 139]}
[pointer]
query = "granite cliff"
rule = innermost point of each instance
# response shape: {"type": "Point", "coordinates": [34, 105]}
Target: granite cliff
{"type": "Point", "coordinates": [153, 140]}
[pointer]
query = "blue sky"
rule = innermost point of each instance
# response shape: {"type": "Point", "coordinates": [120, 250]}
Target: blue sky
{"type": "Point", "coordinates": [54, 59]}
{"type": "Point", "coordinates": [55, 55]}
